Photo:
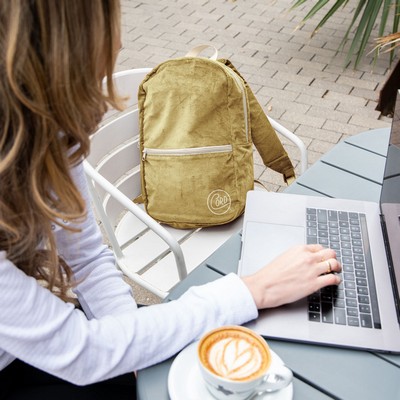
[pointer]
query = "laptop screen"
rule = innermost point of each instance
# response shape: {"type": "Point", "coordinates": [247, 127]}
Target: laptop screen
{"type": "Point", "coordinates": [390, 200]}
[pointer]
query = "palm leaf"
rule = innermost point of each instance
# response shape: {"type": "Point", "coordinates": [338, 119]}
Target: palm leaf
{"type": "Point", "coordinates": [392, 40]}
{"type": "Point", "coordinates": [364, 19]}
{"type": "Point", "coordinates": [312, 12]}
{"type": "Point", "coordinates": [385, 15]}
{"type": "Point", "coordinates": [363, 31]}
{"type": "Point", "coordinates": [334, 8]}
{"type": "Point", "coordinates": [395, 27]}
{"type": "Point", "coordinates": [298, 4]}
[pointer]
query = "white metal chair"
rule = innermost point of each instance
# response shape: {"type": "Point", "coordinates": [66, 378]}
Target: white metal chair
{"type": "Point", "coordinates": [154, 256]}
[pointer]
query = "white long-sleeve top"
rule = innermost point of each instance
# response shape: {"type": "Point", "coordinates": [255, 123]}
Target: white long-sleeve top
{"type": "Point", "coordinates": [113, 336]}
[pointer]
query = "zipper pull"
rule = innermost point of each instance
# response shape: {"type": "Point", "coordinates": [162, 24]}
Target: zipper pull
{"type": "Point", "coordinates": [144, 154]}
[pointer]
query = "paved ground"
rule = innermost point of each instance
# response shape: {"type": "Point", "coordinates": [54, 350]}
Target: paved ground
{"type": "Point", "coordinates": [298, 80]}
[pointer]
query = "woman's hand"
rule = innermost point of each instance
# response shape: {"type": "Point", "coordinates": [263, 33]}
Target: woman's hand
{"type": "Point", "coordinates": [293, 275]}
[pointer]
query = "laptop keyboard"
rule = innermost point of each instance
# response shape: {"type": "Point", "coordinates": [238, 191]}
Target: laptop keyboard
{"type": "Point", "coordinates": [354, 301]}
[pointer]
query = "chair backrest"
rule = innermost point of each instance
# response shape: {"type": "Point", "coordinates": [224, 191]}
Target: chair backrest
{"type": "Point", "coordinates": [127, 84]}
{"type": "Point", "coordinates": [117, 160]}
{"type": "Point", "coordinates": [114, 149]}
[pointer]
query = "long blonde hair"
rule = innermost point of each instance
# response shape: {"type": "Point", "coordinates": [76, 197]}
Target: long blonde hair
{"type": "Point", "coordinates": [53, 57]}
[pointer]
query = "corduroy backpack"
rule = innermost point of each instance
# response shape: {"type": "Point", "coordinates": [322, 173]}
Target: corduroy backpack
{"type": "Point", "coordinates": [198, 122]}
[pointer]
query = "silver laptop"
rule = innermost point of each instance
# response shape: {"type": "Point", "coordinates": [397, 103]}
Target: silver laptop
{"type": "Point", "coordinates": [363, 312]}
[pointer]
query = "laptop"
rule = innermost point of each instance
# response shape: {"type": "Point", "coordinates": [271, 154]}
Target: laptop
{"type": "Point", "coordinates": [363, 312]}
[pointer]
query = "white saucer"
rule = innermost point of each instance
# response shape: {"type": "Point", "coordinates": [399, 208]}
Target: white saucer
{"type": "Point", "coordinates": [186, 383]}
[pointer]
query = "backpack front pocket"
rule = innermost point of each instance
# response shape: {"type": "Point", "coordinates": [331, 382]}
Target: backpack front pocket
{"type": "Point", "coordinates": [190, 187]}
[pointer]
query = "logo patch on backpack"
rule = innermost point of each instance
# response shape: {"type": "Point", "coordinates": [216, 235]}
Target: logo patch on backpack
{"type": "Point", "coordinates": [219, 202]}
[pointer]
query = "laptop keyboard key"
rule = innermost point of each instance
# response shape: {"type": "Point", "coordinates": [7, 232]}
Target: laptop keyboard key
{"type": "Point", "coordinates": [361, 282]}
{"type": "Point", "coordinates": [312, 240]}
{"type": "Point", "coordinates": [360, 274]}
{"type": "Point", "coordinates": [350, 293]}
{"type": "Point", "coordinates": [339, 303]}
{"type": "Point", "coordinates": [349, 284]}
{"type": "Point", "coordinates": [359, 265]}
{"type": "Point", "coordinates": [314, 307]}
{"type": "Point", "coordinates": [327, 313]}
{"type": "Point", "coordinates": [365, 308]}
{"type": "Point", "coordinates": [347, 268]}
{"type": "Point", "coordinates": [363, 299]}
{"type": "Point", "coordinates": [347, 260]}
{"type": "Point", "coordinates": [353, 321]}
{"type": "Point", "coordinates": [351, 302]}
{"type": "Point", "coordinates": [352, 312]}
{"type": "Point", "coordinates": [366, 320]}
{"type": "Point", "coordinates": [340, 316]}
{"type": "Point", "coordinates": [362, 290]}
{"type": "Point", "coordinates": [332, 215]}
{"type": "Point", "coordinates": [322, 216]}
{"type": "Point", "coordinates": [313, 316]}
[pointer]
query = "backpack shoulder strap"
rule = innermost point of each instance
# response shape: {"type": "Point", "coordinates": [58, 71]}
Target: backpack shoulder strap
{"type": "Point", "coordinates": [264, 136]}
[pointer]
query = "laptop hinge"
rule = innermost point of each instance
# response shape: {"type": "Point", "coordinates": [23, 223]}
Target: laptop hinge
{"type": "Point", "coordinates": [391, 267]}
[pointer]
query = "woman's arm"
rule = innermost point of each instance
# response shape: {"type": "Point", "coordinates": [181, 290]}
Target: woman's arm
{"type": "Point", "coordinates": [101, 289]}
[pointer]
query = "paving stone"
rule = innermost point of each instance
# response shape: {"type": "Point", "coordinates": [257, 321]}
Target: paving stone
{"type": "Point", "coordinates": [368, 123]}
{"type": "Point", "coordinates": [320, 146]}
{"type": "Point", "coordinates": [344, 72]}
{"type": "Point", "coordinates": [292, 106]}
{"type": "Point", "coordinates": [316, 74]}
{"type": "Point", "coordinates": [316, 122]}
{"type": "Point", "coordinates": [307, 64]}
{"type": "Point", "coordinates": [311, 90]}
{"type": "Point", "coordinates": [349, 129]}
{"type": "Point", "coordinates": [314, 156]}
{"type": "Point", "coordinates": [358, 83]}
{"type": "Point", "coordinates": [362, 111]}
{"type": "Point", "coordinates": [333, 115]}
{"type": "Point", "coordinates": [274, 65]}
{"type": "Point", "coordinates": [345, 99]}
{"type": "Point", "coordinates": [306, 98]}
{"type": "Point", "coordinates": [318, 134]}
{"type": "Point", "coordinates": [279, 94]}
{"type": "Point", "coordinates": [318, 51]}
{"type": "Point", "coordinates": [331, 86]}
{"type": "Point", "coordinates": [365, 93]}
{"type": "Point", "coordinates": [295, 78]}
{"type": "Point", "coordinates": [274, 83]}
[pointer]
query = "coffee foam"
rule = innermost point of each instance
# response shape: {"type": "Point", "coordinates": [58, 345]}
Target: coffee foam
{"type": "Point", "coordinates": [234, 354]}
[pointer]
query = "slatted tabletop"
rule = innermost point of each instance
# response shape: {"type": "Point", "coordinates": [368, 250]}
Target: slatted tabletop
{"type": "Point", "coordinates": [353, 169]}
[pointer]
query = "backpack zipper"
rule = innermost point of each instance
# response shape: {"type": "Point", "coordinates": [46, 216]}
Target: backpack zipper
{"type": "Point", "coordinates": [242, 88]}
{"type": "Point", "coordinates": [186, 152]}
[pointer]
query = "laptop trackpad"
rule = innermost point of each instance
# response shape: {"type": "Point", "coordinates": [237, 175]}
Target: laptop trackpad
{"type": "Point", "coordinates": [264, 242]}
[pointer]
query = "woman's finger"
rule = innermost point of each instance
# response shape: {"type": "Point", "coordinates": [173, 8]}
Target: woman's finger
{"type": "Point", "coordinates": [314, 248]}
{"type": "Point", "coordinates": [325, 254]}
{"type": "Point", "coordinates": [328, 280]}
{"type": "Point", "coordinates": [328, 266]}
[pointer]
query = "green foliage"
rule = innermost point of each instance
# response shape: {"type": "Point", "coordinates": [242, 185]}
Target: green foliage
{"type": "Point", "coordinates": [364, 18]}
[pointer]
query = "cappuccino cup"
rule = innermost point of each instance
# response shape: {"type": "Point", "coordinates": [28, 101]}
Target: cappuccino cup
{"type": "Point", "coordinates": [235, 364]}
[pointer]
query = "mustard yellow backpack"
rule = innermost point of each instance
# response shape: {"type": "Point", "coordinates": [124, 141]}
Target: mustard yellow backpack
{"type": "Point", "coordinates": [198, 122]}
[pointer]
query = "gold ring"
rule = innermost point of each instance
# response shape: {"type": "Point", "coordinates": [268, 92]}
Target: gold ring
{"type": "Point", "coordinates": [329, 267]}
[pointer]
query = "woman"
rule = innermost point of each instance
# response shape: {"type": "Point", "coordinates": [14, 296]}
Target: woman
{"type": "Point", "coordinates": [69, 325]}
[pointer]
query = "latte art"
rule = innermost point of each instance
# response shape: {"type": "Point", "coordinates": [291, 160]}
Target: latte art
{"type": "Point", "coordinates": [235, 358]}
{"type": "Point", "coordinates": [234, 353]}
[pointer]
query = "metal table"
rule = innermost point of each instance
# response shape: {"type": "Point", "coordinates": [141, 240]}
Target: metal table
{"type": "Point", "coordinates": [353, 169]}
